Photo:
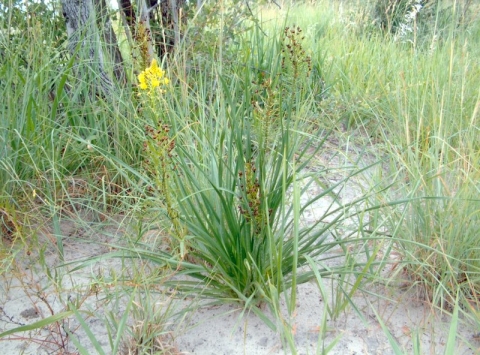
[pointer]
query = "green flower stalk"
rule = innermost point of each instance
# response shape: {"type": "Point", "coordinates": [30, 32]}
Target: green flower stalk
{"type": "Point", "coordinates": [159, 149]}
{"type": "Point", "coordinates": [160, 145]}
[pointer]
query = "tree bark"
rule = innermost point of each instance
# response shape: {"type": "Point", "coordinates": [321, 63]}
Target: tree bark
{"type": "Point", "coordinates": [127, 15]}
{"type": "Point", "coordinates": [144, 32]}
{"type": "Point", "coordinates": [110, 39]}
{"type": "Point", "coordinates": [175, 11]}
{"type": "Point", "coordinates": [85, 43]}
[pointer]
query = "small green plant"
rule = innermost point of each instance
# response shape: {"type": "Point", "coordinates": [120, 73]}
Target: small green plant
{"type": "Point", "coordinates": [159, 146]}
{"type": "Point", "coordinates": [149, 332]}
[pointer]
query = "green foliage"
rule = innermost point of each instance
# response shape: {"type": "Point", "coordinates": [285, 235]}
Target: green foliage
{"type": "Point", "coordinates": [391, 14]}
{"type": "Point", "coordinates": [149, 332]}
{"type": "Point", "coordinates": [231, 184]}
{"type": "Point", "coordinates": [227, 165]}
{"type": "Point", "coordinates": [216, 26]}
{"type": "Point", "coordinates": [48, 122]}
{"type": "Point", "coordinates": [426, 120]}
{"type": "Point", "coordinates": [417, 21]}
{"type": "Point", "coordinates": [420, 104]}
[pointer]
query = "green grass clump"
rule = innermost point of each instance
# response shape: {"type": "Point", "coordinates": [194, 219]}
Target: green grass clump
{"type": "Point", "coordinates": [226, 162]}
{"type": "Point", "coordinates": [50, 123]}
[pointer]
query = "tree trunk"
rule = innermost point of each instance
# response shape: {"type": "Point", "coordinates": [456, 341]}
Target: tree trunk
{"type": "Point", "coordinates": [110, 39]}
{"type": "Point", "coordinates": [85, 43]}
{"type": "Point", "coordinates": [144, 32]}
{"type": "Point", "coordinates": [175, 11]}
{"type": "Point", "coordinates": [156, 24]}
{"type": "Point", "coordinates": [127, 15]}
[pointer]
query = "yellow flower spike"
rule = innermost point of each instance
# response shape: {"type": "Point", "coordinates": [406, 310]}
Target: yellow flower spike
{"type": "Point", "coordinates": [152, 77]}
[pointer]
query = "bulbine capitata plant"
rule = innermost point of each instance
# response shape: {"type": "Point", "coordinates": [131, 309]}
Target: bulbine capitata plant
{"type": "Point", "coordinates": [229, 173]}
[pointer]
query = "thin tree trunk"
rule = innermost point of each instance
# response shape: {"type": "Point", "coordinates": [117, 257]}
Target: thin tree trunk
{"type": "Point", "coordinates": [170, 17]}
{"type": "Point", "coordinates": [127, 15]}
{"type": "Point", "coordinates": [155, 25]}
{"type": "Point", "coordinates": [174, 9]}
{"type": "Point", "coordinates": [144, 32]}
{"type": "Point", "coordinates": [138, 30]}
{"type": "Point", "coordinates": [111, 42]}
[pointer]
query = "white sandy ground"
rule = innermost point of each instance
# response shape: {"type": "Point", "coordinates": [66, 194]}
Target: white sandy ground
{"type": "Point", "coordinates": [217, 329]}
{"type": "Point", "coordinates": [224, 329]}
{"type": "Point", "coordinates": [28, 294]}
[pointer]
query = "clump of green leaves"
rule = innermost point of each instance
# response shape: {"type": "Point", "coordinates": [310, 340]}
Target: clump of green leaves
{"type": "Point", "coordinates": [237, 174]}
{"type": "Point", "coordinates": [149, 332]}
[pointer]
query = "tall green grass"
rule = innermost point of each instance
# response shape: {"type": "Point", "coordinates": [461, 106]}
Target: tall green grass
{"type": "Point", "coordinates": [49, 120]}
{"type": "Point", "coordinates": [420, 103]}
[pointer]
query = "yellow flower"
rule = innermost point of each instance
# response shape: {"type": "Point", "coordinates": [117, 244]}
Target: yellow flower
{"type": "Point", "coordinates": [142, 81]}
{"type": "Point", "coordinates": [155, 82]}
{"type": "Point", "coordinates": [154, 69]}
{"type": "Point", "coordinates": [152, 77]}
